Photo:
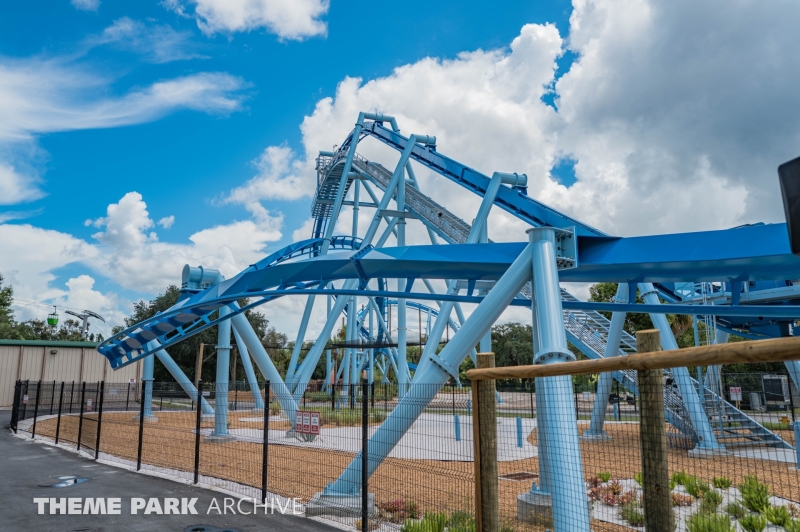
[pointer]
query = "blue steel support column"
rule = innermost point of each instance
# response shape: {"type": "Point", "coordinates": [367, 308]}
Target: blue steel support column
{"type": "Point", "coordinates": [262, 360]}
{"type": "Point", "coordinates": [476, 233]}
{"type": "Point", "coordinates": [707, 441]}
{"type": "Point", "coordinates": [402, 326]}
{"type": "Point", "coordinates": [298, 345]}
{"type": "Point", "coordinates": [435, 375]}
{"type": "Point", "coordinates": [793, 366]}
{"type": "Point", "coordinates": [220, 433]}
{"type": "Point", "coordinates": [147, 377]}
{"type": "Point", "coordinates": [595, 431]}
{"type": "Point", "coordinates": [180, 377]}
{"type": "Point", "coordinates": [252, 381]}
{"type": "Point", "coordinates": [312, 357]}
{"type": "Point", "coordinates": [559, 422]}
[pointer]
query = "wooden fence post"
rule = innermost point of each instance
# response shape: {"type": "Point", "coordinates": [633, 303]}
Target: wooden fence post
{"type": "Point", "coordinates": [653, 440]}
{"type": "Point", "coordinates": [484, 426]}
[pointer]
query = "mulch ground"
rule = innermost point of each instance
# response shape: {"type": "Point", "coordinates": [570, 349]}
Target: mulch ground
{"type": "Point", "coordinates": [434, 485]}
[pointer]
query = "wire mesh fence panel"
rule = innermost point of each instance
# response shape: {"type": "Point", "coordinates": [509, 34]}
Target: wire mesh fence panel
{"type": "Point", "coordinates": [421, 450]}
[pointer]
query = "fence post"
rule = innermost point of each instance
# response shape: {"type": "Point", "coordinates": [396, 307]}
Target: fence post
{"type": "Point", "coordinates": [15, 408]}
{"type": "Point", "coordinates": [197, 431]}
{"type": "Point", "coordinates": [36, 408]}
{"type": "Point", "coordinates": [80, 415]}
{"type": "Point", "coordinates": [24, 404]}
{"type": "Point", "coordinates": [53, 398]}
{"type": "Point", "coordinates": [653, 438]}
{"type": "Point", "coordinates": [333, 397]}
{"type": "Point", "coordinates": [99, 419]}
{"type": "Point", "coordinates": [265, 447]}
{"type": "Point", "coordinates": [128, 397]}
{"type": "Point", "coordinates": [71, 396]}
{"type": "Point", "coordinates": [364, 456]}
{"type": "Point", "coordinates": [484, 426]}
{"type": "Point", "coordinates": [60, 402]}
{"type": "Point", "coordinates": [141, 428]}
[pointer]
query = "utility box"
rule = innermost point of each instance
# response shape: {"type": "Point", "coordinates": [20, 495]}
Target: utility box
{"type": "Point", "coordinates": [776, 392]}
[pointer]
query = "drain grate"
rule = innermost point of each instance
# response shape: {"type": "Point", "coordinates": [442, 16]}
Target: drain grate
{"type": "Point", "coordinates": [522, 475]}
{"type": "Point", "coordinates": [209, 528]}
{"type": "Point", "coordinates": [65, 481]}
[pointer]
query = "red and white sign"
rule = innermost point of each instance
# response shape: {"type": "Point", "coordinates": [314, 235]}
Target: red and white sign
{"type": "Point", "coordinates": [736, 393]}
{"type": "Point", "coordinates": [131, 381]}
{"type": "Point", "coordinates": [25, 399]}
{"type": "Point", "coordinates": [88, 405]}
{"type": "Point", "coordinates": [306, 422]}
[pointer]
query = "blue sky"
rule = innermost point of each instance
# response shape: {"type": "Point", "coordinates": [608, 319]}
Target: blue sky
{"type": "Point", "coordinates": [182, 161]}
{"type": "Point", "coordinates": [118, 116]}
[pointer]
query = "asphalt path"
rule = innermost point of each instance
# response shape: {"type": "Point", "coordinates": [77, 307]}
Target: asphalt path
{"type": "Point", "coordinates": [27, 466]}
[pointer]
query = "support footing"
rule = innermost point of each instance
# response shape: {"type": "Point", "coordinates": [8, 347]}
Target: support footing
{"type": "Point", "coordinates": [699, 452]}
{"type": "Point", "coordinates": [147, 419]}
{"type": "Point", "coordinates": [338, 505]}
{"type": "Point", "coordinates": [595, 436]}
{"type": "Point", "coordinates": [219, 438]}
{"type": "Point", "coordinates": [537, 508]}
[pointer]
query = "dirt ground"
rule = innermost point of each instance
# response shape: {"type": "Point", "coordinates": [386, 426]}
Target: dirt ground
{"type": "Point", "coordinates": [433, 485]}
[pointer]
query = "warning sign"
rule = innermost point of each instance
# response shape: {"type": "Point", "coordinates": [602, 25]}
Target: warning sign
{"type": "Point", "coordinates": [88, 405]}
{"type": "Point", "coordinates": [306, 422]}
{"type": "Point", "coordinates": [25, 399]}
{"type": "Point", "coordinates": [736, 393]}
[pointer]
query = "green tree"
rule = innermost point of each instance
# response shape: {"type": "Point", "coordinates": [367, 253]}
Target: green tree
{"type": "Point", "coordinates": [7, 323]}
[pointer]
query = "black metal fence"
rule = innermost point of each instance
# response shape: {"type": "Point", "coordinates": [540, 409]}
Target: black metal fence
{"type": "Point", "coordinates": [428, 475]}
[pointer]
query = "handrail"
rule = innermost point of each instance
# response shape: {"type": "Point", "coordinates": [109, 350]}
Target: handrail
{"type": "Point", "coordinates": [777, 350]}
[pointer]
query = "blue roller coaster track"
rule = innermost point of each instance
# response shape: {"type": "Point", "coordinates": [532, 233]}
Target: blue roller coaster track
{"type": "Point", "coordinates": [739, 280]}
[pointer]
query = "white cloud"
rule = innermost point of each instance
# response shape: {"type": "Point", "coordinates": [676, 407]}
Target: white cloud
{"type": "Point", "coordinates": [135, 258]}
{"type": "Point", "coordinates": [157, 43]}
{"type": "Point", "coordinates": [81, 295]}
{"type": "Point", "coordinates": [43, 96]}
{"type": "Point", "coordinates": [281, 176]}
{"type": "Point", "coordinates": [15, 188]}
{"type": "Point", "coordinates": [295, 20]}
{"type": "Point", "coordinates": [166, 222]}
{"type": "Point", "coordinates": [30, 254]}
{"type": "Point", "coordinates": [86, 5]}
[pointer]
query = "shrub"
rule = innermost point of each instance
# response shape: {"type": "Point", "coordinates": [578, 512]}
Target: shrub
{"type": "Point", "coordinates": [735, 510]}
{"type": "Point", "coordinates": [777, 515]}
{"type": "Point", "coordinates": [632, 512]}
{"type": "Point", "coordinates": [709, 523]}
{"type": "Point", "coordinates": [274, 408]}
{"type": "Point", "coordinates": [695, 487]}
{"type": "Point", "coordinates": [431, 522]}
{"type": "Point", "coordinates": [638, 477]}
{"type": "Point", "coordinates": [629, 497]}
{"type": "Point", "coordinates": [755, 495]}
{"type": "Point", "coordinates": [615, 487]}
{"type": "Point", "coordinates": [605, 476]}
{"type": "Point", "coordinates": [399, 510]}
{"type": "Point", "coordinates": [753, 523]}
{"type": "Point", "coordinates": [461, 522]}
{"type": "Point", "coordinates": [722, 483]}
{"type": "Point", "coordinates": [679, 499]}
{"type": "Point", "coordinates": [792, 526]}
{"type": "Point", "coordinates": [594, 482]}
{"type": "Point", "coordinates": [679, 477]}
{"type": "Point", "coordinates": [711, 501]}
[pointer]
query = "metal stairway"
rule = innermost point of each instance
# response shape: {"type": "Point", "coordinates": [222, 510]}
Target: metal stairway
{"type": "Point", "coordinates": [587, 330]}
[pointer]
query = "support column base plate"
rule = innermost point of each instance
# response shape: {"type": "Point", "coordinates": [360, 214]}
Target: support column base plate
{"type": "Point", "coordinates": [338, 505]}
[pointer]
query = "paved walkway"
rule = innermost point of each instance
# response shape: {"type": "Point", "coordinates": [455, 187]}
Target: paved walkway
{"type": "Point", "coordinates": [25, 465]}
{"type": "Point", "coordinates": [431, 437]}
